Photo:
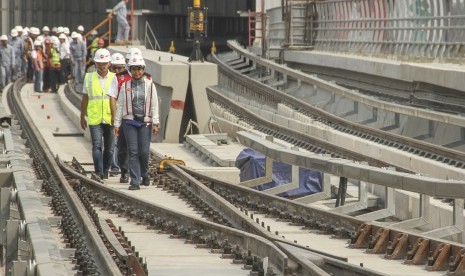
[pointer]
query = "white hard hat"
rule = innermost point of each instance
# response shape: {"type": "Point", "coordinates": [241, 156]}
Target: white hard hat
{"type": "Point", "coordinates": [4, 37]}
{"type": "Point", "coordinates": [66, 30]}
{"type": "Point", "coordinates": [60, 29]}
{"type": "Point", "coordinates": [45, 29]}
{"type": "Point", "coordinates": [74, 35]}
{"type": "Point", "coordinates": [37, 43]}
{"type": "Point", "coordinates": [40, 38]}
{"type": "Point", "coordinates": [62, 36]}
{"type": "Point", "coordinates": [94, 32]}
{"type": "Point", "coordinates": [19, 28]}
{"type": "Point", "coordinates": [14, 33]}
{"type": "Point", "coordinates": [133, 52]}
{"type": "Point", "coordinates": [136, 61]}
{"type": "Point", "coordinates": [54, 29]}
{"type": "Point", "coordinates": [54, 39]}
{"type": "Point", "coordinates": [102, 55]}
{"type": "Point", "coordinates": [117, 59]}
{"type": "Point", "coordinates": [35, 31]}
{"type": "Point", "coordinates": [80, 28]}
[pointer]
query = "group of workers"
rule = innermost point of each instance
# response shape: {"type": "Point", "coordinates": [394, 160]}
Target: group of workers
{"type": "Point", "coordinates": [120, 102]}
{"type": "Point", "coordinates": [47, 58]}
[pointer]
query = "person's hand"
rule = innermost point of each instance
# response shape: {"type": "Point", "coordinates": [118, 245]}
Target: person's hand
{"type": "Point", "coordinates": [155, 129]}
{"type": "Point", "coordinates": [116, 131]}
{"type": "Point", "coordinates": [83, 123]}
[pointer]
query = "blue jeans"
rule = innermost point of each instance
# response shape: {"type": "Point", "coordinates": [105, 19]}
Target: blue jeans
{"type": "Point", "coordinates": [138, 142]}
{"type": "Point", "coordinates": [122, 152]}
{"type": "Point", "coordinates": [38, 80]}
{"type": "Point", "coordinates": [102, 147]}
{"type": "Point", "coordinates": [114, 159]}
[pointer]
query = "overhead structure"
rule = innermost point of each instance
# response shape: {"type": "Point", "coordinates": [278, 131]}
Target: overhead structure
{"type": "Point", "coordinates": [197, 22]}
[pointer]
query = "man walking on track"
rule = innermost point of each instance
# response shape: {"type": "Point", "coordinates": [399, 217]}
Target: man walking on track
{"type": "Point", "coordinates": [95, 106]}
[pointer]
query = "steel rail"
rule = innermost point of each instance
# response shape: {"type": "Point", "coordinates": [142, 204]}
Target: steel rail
{"type": "Point", "coordinates": [257, 244]}
{"type": "Point", "coordinates": [361, 233]}
{"type": "Point", "coordinates": [273, 96]}
{"type": "Point", "coordinates": [93, 242]}
{"type": "Point", "coordinates": [293, 136]}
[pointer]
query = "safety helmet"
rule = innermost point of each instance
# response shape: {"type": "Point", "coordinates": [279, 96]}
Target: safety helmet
{"type": "Point", "coordinates": [60, 29]}
{"type": "Point", "coordinates": [54, 29]}
{"type": "Point", "coordinates": [101, 41]}
{"type": "Point", "coordinates": [66, 30]}
{"type": "Point", "coordinates": [19, 28]}
{"type": "Point", "coordinates": [80, 28]}
{"type": "Point", "coordinates": [136, 61]}
{"type": "Point", "coordinates": [35, 31]}
{"type": "Point", "coordinates": [54, 40]}
{"type": "Point", "coordinates": [14, 33]}
{"type": "Point", "coordinates": [94, 32]}
{"type": "Point", "coordinates": [117, 59]}
{"type": "Point", "coordinates": [37, 43]}
{"type": "Point", "coordinates": [133, 52]}
{"type": "Point", "coordinates": [74, 35]}
{"type": "Point", "coordinates": [62, 36]}
{"type": "Point", "coordinates": [45, 29]}
{"type": "Point", "coordinates": [40, 38]}
{"type": "Point", "coordinates": [102, 55]}
{"type": "Point", "coordinates": [4, 37]}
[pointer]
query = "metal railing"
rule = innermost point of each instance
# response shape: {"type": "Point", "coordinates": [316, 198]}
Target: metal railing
{"type": "Point", "coordinates": [409, 28]}
{"type": "Point", "coordinates": [150, 38]}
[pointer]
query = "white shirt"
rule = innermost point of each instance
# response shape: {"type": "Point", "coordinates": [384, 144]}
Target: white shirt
{"type": "Point", "coordinates": [112, 89]}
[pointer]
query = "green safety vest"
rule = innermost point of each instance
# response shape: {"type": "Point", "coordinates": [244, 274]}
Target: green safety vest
{"type": "Point", "coordinates": [98, 106]}
{"type": "Point", "coordinates": [55, 58]}
{"type": "Point", "coordinates": [94, 46]}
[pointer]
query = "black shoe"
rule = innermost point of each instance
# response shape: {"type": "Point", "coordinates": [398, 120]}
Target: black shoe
{"type": "Point", "coordinates": [132, 187]}
{"type": "Point", "coordinates": [96, 178]}
{"type": "Point", "coordinates": [114, 173]}
{"type": "Point", "coordinates": [105, 175]}
{"type": "Point", "coordinates": [146, 181]}
{"type": "Point", "coordinates": [124, 179]}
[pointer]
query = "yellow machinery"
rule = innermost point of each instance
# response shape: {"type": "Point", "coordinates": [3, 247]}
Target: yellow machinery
{"type": "Point", "coordinates": [197, 22]}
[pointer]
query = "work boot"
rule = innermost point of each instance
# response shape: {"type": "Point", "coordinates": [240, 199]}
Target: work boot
{"type": "Point", "coordinates": [124, 178]}
{"type": "Point", "coordinates": [146, 180]}
{"type": "Point", "coordinates": [132, 187]}
{"type": "Point", "coordinates": [105, 175]}
{"type": "Point", "coordinates": [96, 177]}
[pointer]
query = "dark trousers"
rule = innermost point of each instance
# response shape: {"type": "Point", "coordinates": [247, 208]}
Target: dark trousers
{"type": "Point", "coordinates": [102, 147]}
{"type": "Point", "coordinates": [122, 152]}
{"type": "Point", "coordinates": [65, 69]}
{"type": "Point", "coordinates": [138, 142]}
{"type": "Point", "coordinates": [55, 74]}
{"type": "Point", "coordinates": [30, 70]}
{"type": "Point", "coordinates": [46, 77]}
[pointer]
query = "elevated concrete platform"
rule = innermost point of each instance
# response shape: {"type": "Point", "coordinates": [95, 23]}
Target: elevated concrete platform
{"type": "Point", "coordinates": [441, 74]}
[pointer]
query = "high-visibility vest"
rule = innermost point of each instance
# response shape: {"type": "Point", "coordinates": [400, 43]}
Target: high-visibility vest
{"type": "Point", "coordinates": [55, 58]}
{"type": "Point", "coordinates": [98, 106]}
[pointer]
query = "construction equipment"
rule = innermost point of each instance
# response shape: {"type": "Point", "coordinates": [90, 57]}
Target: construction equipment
{"type": "Point", "coordinates": [197, 22]}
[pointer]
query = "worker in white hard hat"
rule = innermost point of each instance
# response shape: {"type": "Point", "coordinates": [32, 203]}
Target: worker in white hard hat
{"type": "Point", "coordinates": [78, 60]}
{"type": "Point", "coordinates": [80, 31]}
{"type": "Point", "coordinates": [96, 112]}
{"type": "Point", "coordinates": [46, 32]}
{"type": "Point", "coordinates": [7, 61]}
{"type": "Point", "coordinates": [65, 59]}
{"type": "Point", "coordinates": [18, 47]}
{"type": "Point", "coordinates": [137, 114]}
{"type": "Point", "coordinates": [121, 13]}
{"type": "Point", "coordinates": [118, 64]}
{"type": "Point", "coordinates": [38, 65]}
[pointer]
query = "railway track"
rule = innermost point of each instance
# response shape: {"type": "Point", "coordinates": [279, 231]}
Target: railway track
{"type": "Point", "coordinates": [231, 76]}
{"type": "Point", "coordinates": [262, 233]}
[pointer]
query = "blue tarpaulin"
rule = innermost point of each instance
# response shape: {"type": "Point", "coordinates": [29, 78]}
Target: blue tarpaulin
{"type": "Point", "coordinates": [252, 165]}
